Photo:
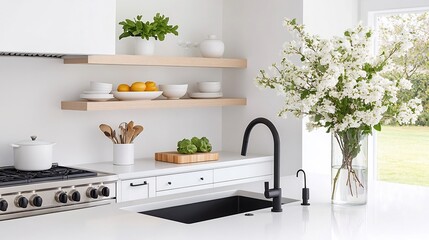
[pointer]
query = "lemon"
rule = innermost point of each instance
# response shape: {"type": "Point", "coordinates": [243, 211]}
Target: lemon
{"type": "Point", "coordinates": [138, 87]}
{"type": "Point", "coordinates": [123, 88]}
{"type": "Point", "coordinates": [151, 86]}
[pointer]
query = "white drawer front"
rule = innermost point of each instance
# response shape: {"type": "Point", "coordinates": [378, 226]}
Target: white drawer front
{"type": "Point", "coordinates": [182, 190]}
{"type": "Point", "coordinates": [241, 172]}
{"type": "Point", "coordinates": [181, 180]}
{"type": "Point", "coordinates": [136, 189]}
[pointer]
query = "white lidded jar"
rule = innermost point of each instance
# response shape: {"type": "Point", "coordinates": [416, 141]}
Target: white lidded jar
{"type": "Point", "coordinates": [212, 47]}
{"type": "Point", "coordinates": [32, 155]}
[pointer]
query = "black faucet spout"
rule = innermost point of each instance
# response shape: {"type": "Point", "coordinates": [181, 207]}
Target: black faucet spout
{"type": "Point", "coordinates": [276, 192]}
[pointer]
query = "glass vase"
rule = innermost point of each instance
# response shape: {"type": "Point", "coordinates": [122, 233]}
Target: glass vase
{"type": "Point", "coordinates": [349, 167]}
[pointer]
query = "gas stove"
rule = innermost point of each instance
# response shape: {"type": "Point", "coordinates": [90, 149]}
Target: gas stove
{"type": "Point", "coordinates": [28, 193]}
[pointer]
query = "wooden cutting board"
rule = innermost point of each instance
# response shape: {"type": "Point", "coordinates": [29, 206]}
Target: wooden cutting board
{"type": "Point", "coordinates": [175, 157]}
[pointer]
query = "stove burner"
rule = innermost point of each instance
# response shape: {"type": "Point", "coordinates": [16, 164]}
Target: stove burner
{"type": "Point", "coordinates": [11, 176]}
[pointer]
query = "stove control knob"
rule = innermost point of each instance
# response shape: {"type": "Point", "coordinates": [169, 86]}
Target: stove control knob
{"type": "Point", "coordinates": [21, 201]}
{"type": "Point", "coordinates": [92, 193]}
{"type": "Point", "coordinates": [61, 197]}
{"type": "Point", "coordinates": [74, 196]}
{"type": "Point", "coordinates": [104, 191]}
{"type": "Point", "coordinates": [3, 205]}
{"type": "Point", "coordinates": [36, 200]}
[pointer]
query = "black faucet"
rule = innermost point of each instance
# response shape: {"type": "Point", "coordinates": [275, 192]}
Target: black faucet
{"type": "Point", "coordinates": [276, 192]}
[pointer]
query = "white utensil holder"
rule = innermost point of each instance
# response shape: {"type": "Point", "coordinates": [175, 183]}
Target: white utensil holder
{"type": "Point", "coordinates": [123, 154]}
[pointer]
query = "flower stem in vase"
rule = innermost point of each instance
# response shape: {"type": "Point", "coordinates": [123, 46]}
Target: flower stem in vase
{"type": "Point", "coordinates": [349, 167]}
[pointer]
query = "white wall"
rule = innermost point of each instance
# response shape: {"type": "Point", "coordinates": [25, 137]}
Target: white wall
{"type": "Point", "coordinates": [32, 89]}
{"type": "Point", "coordinates": [325, 18]}
{"type": "Point", "coordinates": [253, 29]}
{"type": "Point", "coordinates": [330, 17]}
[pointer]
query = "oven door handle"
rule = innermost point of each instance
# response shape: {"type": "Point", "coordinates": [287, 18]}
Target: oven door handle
{"type": "Point", "coordinates": [137, 185]}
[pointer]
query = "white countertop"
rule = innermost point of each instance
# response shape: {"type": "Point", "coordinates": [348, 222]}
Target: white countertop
{"type": "Point", "coordinates": [148, 167]}
{"type": "Point", "coordinates": [393, 212]}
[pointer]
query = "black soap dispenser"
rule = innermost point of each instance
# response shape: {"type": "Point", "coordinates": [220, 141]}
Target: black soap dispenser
{"type": "Point", "coordinates": [305, 190]}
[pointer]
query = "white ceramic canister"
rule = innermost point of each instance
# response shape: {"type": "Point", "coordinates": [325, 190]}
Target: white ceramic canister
{"type": "Point", "coordinates": [212, 47]}
{"type": "Point", "coordinates": [144, 47]}
{"type": "Point", "coordinates": [32, 155]}
{"type": "Point", "coordinates": [123, 154]}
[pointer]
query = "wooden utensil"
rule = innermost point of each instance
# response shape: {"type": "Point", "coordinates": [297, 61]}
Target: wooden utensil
{"type": "Point", "coordinates": [130, 125]}
{"type": "Point", "coordinates": [129, 135]}
{"type": "Point", "coordinates": [107, 130]}
{"type": "Point", "coordinates": [129, 132]}
{"type": "Point", "coordinates": [137, 130]}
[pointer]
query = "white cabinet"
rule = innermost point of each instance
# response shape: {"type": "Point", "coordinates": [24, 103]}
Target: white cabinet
{"type": "Point", "coordinates": [136, 189]}
{"type": "Point", "coordinates": [161, 185]}
{"type": "Point", "coordinates": [242, 172]}
{"type": "Point", "coordinates": [184, 182]}
{"type": "Point", "coordinates": [149, 178]}
{"type": "Point", "coordinates": [58, 27]}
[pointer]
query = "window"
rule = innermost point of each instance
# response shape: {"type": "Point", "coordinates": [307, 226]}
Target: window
{"type": "Point", "coordinates": [402, 152]}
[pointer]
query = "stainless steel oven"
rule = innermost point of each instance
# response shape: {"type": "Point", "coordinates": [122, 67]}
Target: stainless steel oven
{"type": "Point", "coordinates": [58, 189]}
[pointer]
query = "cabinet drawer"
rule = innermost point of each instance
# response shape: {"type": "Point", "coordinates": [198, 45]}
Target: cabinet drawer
{"type": "Point", "coordinates": [181, 180]}
{"type": "Point", "coordinates": [136, 189]}
{"type": "Point", "coordinates": [242, 172]}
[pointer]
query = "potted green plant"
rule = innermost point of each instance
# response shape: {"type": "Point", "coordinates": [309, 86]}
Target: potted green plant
{"type": "Point", "coordinates": [144, 31]}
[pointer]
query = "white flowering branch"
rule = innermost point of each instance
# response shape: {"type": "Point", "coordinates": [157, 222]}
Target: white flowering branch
{"type": "Point", "coordinates": [338, 85]}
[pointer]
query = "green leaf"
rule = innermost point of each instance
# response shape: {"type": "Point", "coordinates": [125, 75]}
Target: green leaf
{"type": "Point", "coordinates": [157, 29]}
{"type": "Point", "coordinates": [124, 35]}
{"type": "Point", "coordinates": [130, 22]}
{"type": "Point", "coordinates": [139, 25]}
{"type": "Point", "coordinates": [161, 37]}
{"type": "Point", "coordinates": [377, 127]}
{"type": "Point", "coordinates": [317, 117]}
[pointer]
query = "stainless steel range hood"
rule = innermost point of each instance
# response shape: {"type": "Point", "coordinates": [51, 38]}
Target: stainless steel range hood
{"type": "Point", "coordinates": [53, 28]}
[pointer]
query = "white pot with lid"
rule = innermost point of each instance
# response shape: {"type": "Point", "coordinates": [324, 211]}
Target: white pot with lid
{"type": "Point", "coordinates": [32, 155]}
{"type": "Point", "coordinates": [212, 47]}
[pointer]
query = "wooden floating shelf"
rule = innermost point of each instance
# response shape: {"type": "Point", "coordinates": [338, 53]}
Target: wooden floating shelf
{"type": "Point", "coordinates": [157, 61]}
{"type": "Point", "coordinates": [148, 104]}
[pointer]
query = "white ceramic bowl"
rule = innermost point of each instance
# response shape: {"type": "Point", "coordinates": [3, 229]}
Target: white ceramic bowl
{"type": "Point", "coordinates": [209, 87]}
{"type": "Point", "coordinates": [173, 91]}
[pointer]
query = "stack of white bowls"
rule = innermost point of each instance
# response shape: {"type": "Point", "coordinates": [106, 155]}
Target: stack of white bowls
{"type": "Point", "coordinates": [98, 92]}
{"type": "Point", "coordinates": [208, 90]}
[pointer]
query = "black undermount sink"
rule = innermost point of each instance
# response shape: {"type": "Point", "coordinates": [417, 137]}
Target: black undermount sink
{"type": "Point", "coordinates": [217, 208]}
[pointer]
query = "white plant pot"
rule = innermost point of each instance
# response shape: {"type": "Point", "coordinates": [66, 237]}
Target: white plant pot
{"type": "Point", "coordinates": [144, 47]}
{"type": "Point", "coordinates": [212, 47]}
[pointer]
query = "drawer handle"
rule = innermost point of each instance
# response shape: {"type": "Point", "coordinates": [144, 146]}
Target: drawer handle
{"type": "Point", "coordinates": [140, 184]}
{"type": "Point", "coordinates": [169, 183]}
{"type": "Point", "coordinates": [201, 178]}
